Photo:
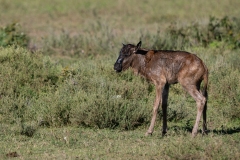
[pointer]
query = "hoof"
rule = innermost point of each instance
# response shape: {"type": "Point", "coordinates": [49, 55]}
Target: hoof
{"type": "Point", "coordinates": [148, 134]}
{"type": "Point", "coordinates": [164, 133]}
{"type": "Point", "coordinates": [205, 132]}
{"type": "Point", "coordinates": [194, 135]}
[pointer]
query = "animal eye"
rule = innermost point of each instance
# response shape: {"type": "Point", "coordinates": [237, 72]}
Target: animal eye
{"type": "Point", "coordinates": [128, 52]}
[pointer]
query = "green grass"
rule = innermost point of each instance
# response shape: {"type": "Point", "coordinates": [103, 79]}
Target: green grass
{"type": "Point", "coordinates": [61, 99]}
{"type": "Point", "coordinates": [85, 143]}
{"type": "Point", "coordinates": [42, 103]}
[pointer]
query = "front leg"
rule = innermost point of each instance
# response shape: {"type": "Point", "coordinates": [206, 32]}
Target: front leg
{"type": "Point", "coordinates": [158, 100]}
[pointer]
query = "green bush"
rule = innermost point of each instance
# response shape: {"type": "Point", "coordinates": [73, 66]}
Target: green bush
{"type": "Point", "coordinates": [225, 88]}
{"type": "Point", "coordinates": [217, 30]}
{"type": "Point", "coordinates": [95, 97]}
{"type": "Point", "coordinates": [24, 76]}
{"type": "Point", "coordinates": [99, 39]}
{"type": "Point", "coordinates": [11, 35]}
{"type": "Point", "coordinates": [37, 91]}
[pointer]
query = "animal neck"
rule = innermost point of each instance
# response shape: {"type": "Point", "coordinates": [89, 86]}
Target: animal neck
{"type": "Point", "coordinates": [138, 64]}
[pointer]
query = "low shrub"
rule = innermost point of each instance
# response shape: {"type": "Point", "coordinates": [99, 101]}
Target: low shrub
{"type": "Point", "coordinates": [217, 30]}
{"type": "Point", "coordinates": [12, 35]}
{"type": "Point", "coordinates": [225, 88]}
{"type": "Point", "coordinates": [24, 76]}
{"type": "Point", "coordinates": [36, 89]}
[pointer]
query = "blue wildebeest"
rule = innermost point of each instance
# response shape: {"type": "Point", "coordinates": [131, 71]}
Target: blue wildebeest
{"type": "Point", "coordinates": [165, 67]}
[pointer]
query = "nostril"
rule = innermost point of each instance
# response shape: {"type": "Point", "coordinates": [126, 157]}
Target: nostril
{"type": "Point", "coordinates": [117, 67]}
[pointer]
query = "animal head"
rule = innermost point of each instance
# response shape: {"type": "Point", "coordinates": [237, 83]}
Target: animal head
{"type": "Point", "coordinates": [126, 56]}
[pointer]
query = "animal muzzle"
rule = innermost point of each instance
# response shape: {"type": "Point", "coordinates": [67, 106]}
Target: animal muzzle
{"type": "Point", "coordinates": [118, 65]}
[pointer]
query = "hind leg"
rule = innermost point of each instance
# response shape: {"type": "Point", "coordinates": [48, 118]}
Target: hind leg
{"type": "Point", "coordinates": [200, 100]}
{"type": "Point", "coordinates": [164, 108]}
{"type": "Point", "coordinates": [204, 129]}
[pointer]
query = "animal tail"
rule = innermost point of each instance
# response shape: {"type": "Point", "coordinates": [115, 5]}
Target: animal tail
{"type": "Point", "coordinates": [205, 94]}
{"type": "Point", "coordinates": [205, 86]}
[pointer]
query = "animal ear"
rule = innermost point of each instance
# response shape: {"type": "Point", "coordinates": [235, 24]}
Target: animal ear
{"type": "Point", "coordinates": [138, 46]}
{"type": "Point", "coordinates": [123, 44]}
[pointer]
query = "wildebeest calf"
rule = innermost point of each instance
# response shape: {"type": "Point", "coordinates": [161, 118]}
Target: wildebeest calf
{"type": "Point", "coordinates": [163, 68]}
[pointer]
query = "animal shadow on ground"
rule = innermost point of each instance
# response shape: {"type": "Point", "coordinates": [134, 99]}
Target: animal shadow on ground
{"type": "Point", "coordinates": [222, 131]}
{"type": "Point", "coordinates": [228, 131]}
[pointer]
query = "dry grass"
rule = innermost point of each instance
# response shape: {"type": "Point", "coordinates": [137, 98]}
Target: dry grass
{"type": "Point", "coordinates": [43, 117]}
{"type": "Point", "coordinates": [43, 18]}
{"type": "Point", "coordinates": [84, 143]}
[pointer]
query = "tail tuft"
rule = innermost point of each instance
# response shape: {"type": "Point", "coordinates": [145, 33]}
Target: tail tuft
{"type": "Point", "coordinates": [205, 81]}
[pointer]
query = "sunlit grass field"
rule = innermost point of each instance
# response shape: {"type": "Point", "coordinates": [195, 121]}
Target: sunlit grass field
{"type": "Point", "coordinates": [61, 99]}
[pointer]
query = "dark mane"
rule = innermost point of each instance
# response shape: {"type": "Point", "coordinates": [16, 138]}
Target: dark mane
{"type": "Point", "coordinates": [142, 51]}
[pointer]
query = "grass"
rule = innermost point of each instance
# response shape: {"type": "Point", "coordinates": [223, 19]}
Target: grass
{"type": "Point", "coordinates": [61, 99]}
{"type": "Point", "coordinates": [85, 143]}
{"type": "Point", "coordinates": [106, 116]}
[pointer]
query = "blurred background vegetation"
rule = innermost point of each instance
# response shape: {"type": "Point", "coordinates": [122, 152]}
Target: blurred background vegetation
{"type": "Point", "coordinates": [57, 62]}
